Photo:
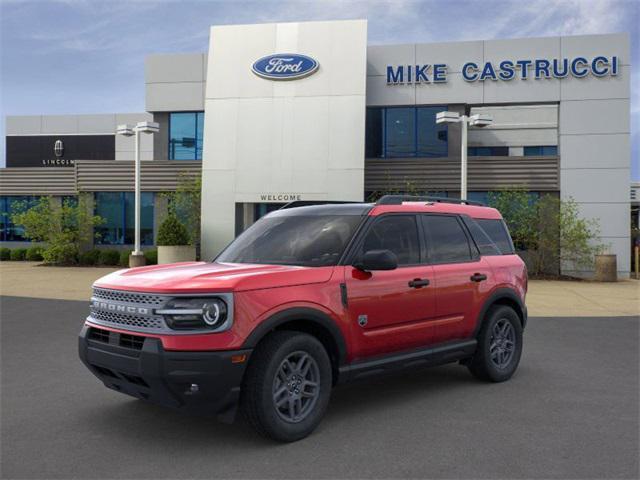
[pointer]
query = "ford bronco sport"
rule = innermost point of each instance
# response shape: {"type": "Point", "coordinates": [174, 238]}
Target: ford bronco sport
{"type": "Point", "coordinates": [309, 297]}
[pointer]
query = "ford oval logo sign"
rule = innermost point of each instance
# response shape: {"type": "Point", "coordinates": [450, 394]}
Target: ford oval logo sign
{"type": "Point", "coordinates": [285, 66]}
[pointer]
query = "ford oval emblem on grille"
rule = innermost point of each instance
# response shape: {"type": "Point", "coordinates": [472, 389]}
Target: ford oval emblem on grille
{"type": "Point", "coordinates": [285, 66]}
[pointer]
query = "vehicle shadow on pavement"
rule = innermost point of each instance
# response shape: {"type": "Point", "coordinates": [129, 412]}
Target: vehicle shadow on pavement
{"type": "Point", "coordinates": [366, 401]}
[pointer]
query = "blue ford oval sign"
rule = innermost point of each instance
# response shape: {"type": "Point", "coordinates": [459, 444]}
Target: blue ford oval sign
{"type": "Point", "coordinates": [285, 66]}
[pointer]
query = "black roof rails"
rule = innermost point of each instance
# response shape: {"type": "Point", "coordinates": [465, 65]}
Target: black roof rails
{"type": "Point", "coordinates": [398, 199]}
{"type": "Point", "coordinates": [307, 203]}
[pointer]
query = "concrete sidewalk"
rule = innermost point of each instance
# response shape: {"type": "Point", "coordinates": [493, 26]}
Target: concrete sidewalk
{"type": "Point", "coordinates": [546, 298]}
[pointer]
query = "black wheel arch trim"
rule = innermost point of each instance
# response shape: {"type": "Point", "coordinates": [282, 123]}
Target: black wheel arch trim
{"type": "Point", "coordinates": [494, 298]}
{"type": "Point", "coordinates": [304, 314]}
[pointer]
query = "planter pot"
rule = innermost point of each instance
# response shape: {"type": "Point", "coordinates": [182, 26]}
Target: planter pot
{"type": "Point", "coordinates": [176, 253]}
{"type": "Point", "coordinates": [606, 268]}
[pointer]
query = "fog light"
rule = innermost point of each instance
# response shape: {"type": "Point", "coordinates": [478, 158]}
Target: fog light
{"type": "Point", "coordinates": [193, 389]}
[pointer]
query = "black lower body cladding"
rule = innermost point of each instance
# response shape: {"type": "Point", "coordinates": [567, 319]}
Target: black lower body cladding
{"type": "Point", "coordinates": [201, 382]}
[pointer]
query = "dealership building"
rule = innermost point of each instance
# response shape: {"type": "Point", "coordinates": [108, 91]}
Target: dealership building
{"type": "Point", "coordinates": [309, 111]}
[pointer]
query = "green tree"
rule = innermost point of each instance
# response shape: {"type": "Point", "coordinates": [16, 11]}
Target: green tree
{"type": "Point", "coordinates": [185, 203]}
{"type": "Point", "coordinates": [64, 227]}
{"type": "Point", "coordinates": [549, 229]}
{"type": "Point", "coordinates": [519, 211]}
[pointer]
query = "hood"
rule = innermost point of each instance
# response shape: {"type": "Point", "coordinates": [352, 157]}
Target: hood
{"type": "Point", "coordinates": [203, 277]}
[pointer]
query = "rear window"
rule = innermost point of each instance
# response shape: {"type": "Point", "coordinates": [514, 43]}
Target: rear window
{"type": "Point", "coordinates": [498, 233]}
{"type": "Point", "coordinates": [480, 237]}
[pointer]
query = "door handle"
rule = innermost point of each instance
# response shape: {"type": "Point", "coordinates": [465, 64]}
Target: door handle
{"type": "Point", "coordinates": [478, 277]}
{"type": "Point", "coordinates": [418, 282]}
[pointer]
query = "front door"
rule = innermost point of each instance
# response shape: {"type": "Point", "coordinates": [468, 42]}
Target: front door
{"type": "Point", "coordinates": [390, 310]}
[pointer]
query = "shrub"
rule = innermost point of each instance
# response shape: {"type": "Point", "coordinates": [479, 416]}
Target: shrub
{"type": "Point", "coordinates": [124, 258]}
{"type": "Point", "coordinates": [109, 257]}
{"type": "Point", "coordinates": [5, 254]}
{"type": "Point", "coordinates": [18, 254]}
{"type": "Point", "coordinates": [172, 232]}
{"type": "Point", "coordinates": [90, 257]}
{"type": "Point", "coordinates": [151, 256]}
{"type": "Point", "coordinates": [185, 203]}
{"type": "Point", "coordinates": [64, 227]}
{"type": "Point", "coordinates": [65, 254]}
{"type": "Point", "coordinates": [34, 254]}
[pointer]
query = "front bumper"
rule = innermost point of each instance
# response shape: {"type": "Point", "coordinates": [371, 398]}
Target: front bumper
{"type": "Point", "coordinates": [202, 382]}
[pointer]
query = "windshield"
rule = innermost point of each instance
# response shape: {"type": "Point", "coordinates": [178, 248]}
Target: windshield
{"type": "Point", "coordinates": [311, 241]}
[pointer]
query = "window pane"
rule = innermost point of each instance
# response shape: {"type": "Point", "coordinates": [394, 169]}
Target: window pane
{"type": "Point", "coordinates": [432, 138]}
{"type": "Point", "coordinates": [551, 150]}
{"type": "Point", "coordinates": [532, 151]}
{"type": "Point", "coordinates": [446, 240]}
{"type": "Point", "coordinates": [9, 206]}
{"type": "Point", "coordinates": [373, 135]}
{"type": "Point", "coordinates": [482, 240]}
{"type": "Point", "coordinates": [497, 231]}
{"type": "Point", "coordinates": [199, 134]}
{"type": "Point", "coordinates": [398, 234]}
{"type": "Point", "coordinates": [479, 197]}
{"type": "Point", "coordinates": [313, 241]}
{"type": "Point", "coordinates": [146, 218]}
{"type": "Point", "coordinates": [109, 207]}
{"type": "Point", "coordinates": [499, 151]}
{"type": "Point", "coordinates": [117, 208]}
{"type": "Point", "coordinates": [400, 132]}
{"type": "Point", "coordinates": [182, 136]}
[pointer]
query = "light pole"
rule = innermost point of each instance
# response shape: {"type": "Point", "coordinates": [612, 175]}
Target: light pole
{"type": "Point", "coordinates": [136, 259]}
{"type": "Point", "coordinates": [477, 120]}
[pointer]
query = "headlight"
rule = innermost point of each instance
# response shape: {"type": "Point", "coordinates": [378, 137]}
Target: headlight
{"type": "Point", "coordinates": [195, 313]}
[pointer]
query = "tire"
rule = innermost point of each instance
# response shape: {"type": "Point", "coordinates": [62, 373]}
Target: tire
{"type": "Point", "coordinates": [274, 389]}
{"type": "Point", "coordinates": [492, 360]}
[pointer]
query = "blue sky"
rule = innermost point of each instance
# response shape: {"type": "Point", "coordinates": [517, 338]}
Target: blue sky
{"type": "Point", "coordinates": [85, 56]}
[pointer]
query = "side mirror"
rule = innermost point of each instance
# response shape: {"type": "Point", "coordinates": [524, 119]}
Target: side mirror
{"type": "Point", "coordinates": [377, 260]}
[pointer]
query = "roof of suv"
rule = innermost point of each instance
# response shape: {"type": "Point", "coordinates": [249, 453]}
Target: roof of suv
{"type": "Point", "coordinates": [474, 211]}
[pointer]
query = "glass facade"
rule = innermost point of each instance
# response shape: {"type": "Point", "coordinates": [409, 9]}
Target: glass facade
{"type": "Point", "coordinates": [541, 151]}
{"type": "Point", "coordinates": [117, 209]}
{"type": "Point", "coordinates": [485, 197]}
{"type": "Point", "coordinates": [405, 132]}
{"type": "Point", "coordinates": [185, 135]}
{"type": "Point", "coordinates": [8, 206]}
{"type": "Point", "coordinates": [488, 151]}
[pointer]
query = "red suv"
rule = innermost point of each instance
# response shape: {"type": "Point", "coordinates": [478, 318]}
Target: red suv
{"type": "Point", "coordinates": [309, 297]}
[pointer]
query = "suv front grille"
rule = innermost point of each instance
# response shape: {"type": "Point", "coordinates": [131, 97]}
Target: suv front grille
{"type": "Point", "coordinates": [124, 319]}
{"type": "Point", "coordinates": [129, 297]}
{"type": "Point", "coordinates": [99, 335]}
{"type": "Point", "coordinates": [131, 341]}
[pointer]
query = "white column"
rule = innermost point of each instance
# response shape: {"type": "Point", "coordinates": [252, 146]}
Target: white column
{"type": "Point", "coordinates": [463, 157]}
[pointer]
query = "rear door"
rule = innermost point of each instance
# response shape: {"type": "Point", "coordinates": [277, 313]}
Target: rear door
{"type": "Point", "coordinates": [461, 276]}
{"type": "Point", "coordinates": [391, 310]}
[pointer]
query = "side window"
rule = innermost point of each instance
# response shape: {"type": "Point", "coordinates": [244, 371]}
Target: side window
{"type": "Point", "coordinates": [483, 242]}
{"type": "Point", "coordinates": [497, 231]}
{"type": "Point", "coordinates": [446, 239]}
{"type": "Point", "coordinates": [398, 233]}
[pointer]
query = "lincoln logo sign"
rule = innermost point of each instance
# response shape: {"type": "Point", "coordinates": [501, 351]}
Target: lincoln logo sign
{"type": "Point", "coordinates": [505, 70]}
{"type": "Point", "coordinates": [285, 66]}
{"type": "Point", "coordinates": [58, 148]}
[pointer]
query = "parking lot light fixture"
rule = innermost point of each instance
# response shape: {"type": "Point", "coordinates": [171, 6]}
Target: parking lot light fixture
{"type": "Point", "coordinates": [136, 259]}
{"type": "Point", "coordinates": [477, 120]}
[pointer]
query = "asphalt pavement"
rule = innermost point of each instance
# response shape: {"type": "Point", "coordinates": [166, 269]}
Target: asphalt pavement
{"type": "Point", "coordinates": [571, 411]}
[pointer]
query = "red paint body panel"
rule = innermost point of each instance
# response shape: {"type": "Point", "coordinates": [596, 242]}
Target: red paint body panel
{"type": "Point", "coordinates": [203, 277]}
{"type": "Point", "coordinates": [398, 317]}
